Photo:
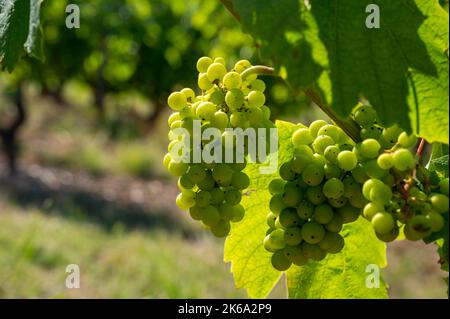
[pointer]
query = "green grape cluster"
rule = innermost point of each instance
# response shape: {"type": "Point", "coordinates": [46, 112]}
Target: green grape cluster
{"type": "Point", "coordinates": [315, 196]}
{"type": "Point", "coordinates": [402, 194]}
{"type": "Point", "coordinates": [212, 191]}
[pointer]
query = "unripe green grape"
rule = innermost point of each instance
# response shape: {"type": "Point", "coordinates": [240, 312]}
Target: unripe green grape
{"type": "Point", "coordinates": [240, 180]}
{"type": "Point", "coordinates": [331, 152]}
{"type": "Point", "coordinates": [337, 202]}
{"type": "Point", "coordinates": [203, 82]}
{"type": "Point", "coordinates": [385, 161]}
{"type": "Point", "coordinates": [185, 200]}
{"type": "Point", "coordinates": [220, 120]}
{"type": "Point", "coordinates": [380, 193]}
{"type": "Point", "coordinates": [443, 186]}
{"type": "Point", "coordinates": [313, 251]}
{"type": "Point", "coordinates": [388, 237]}
{"type": "Point", "coordinates": [216, 71]}
{"type": "Point", "coordinates": [315, 126]}
{"type": "Point", "coordinates": [286, 172]}
{"type": "Point", "coordinates": [345, 147]}
{"type": "Point", "coordinates": [241, 65]}
{"type": "Point", "coordinates": [277, 239]}
{"type": "Point", "coordinates": [407, 141]}
{"type": "Point", "coordinates": [312, 232]}
{"type": "Point", "coordinates": [238, 213]}
{"type": "Point", "coordinates": [288, 217]}
{"type": "Point", "coordinates": [266, 112]}
{"type": "Point", "coordinates": [254, 115]}
{"type": "Point", "coordinates": [390, 135]}
{"type": "Point", "coordinates": [411, 234]}
{"type": "Point", "coordinates": [222, 174]}
{"type": "Point", "coordinates": [177, 168]}
{"type": "Point", "coordinates": [256, 99]}
{"type": "Point", "coordinates": [332, 171]}
{"type": "Point", "coordinates": [166, 160]}
{"type": "Point", "coordinates": [221, 229]}
{"type": "Point", "coordinates": [351, 187]}
{"type": "Point", "coordinates": [323, 214]}
{"type": "Point", "coordinates": [368, 185]}
{"type": "Point", "coordinates": [315, 195]}
{"type": "Point", "coordinates": [217, 97]}
{"type": "Point", "coordinates": [370, 148]}
{"type": "Point", "coordinates": [220, 60]}
{"type": "Point", "coordinates": [203, 198]}
{"type": "Point", "coordinates": [293, 236]}
{"type": "Point", "coordinates": [358, 200]}
{"type": "Point", "coordinates": [208, 183]}
{"type": "Point", "coordinates": [196, 212]}
{"type": "Point", "coordinates": [280, 262]}
{"type": "Point", "coordinates": [206, 110]}
{"type": "Point", "coordinates": [196, 173]}
{"type": "Point", "coordinates": [332, 243]}
{"type": "Point", "coordinates": [189, 93]}
{"type": "Point", "coordinates": [435, 220]}
{"type": "Point", "coordinates": [210, 216]}
{"type": "Point", "coordinates": [226, 210]}
{"type": "Point", "coordinates": [305, 210]}
{"type": "Point", "coordinates": [335, 224]}
{"type": "Point", "coordinates": [439, 202]}
{"type": "Point", "coordinates": [292, 196]}
{"type": "Point", "coordinates": [233, 196]}
{"type": "Point", "coordinates": [175, 116]}
{"type": "Point", "coordinates": [232, 80]}
{"type": "Point", "coordinates": [313, 174]}
{"type": "Point", "coordinates": [177, 101]}
{"type": "Point", "coordinates": [203, 63]}
{"type": "Point", "coordinates": [331, 130]}
{"type": "Point", "coordinates": [269, 244]}
{"type": "Point", "coordinates": [347, 160]}
{"type": "Point", "coordinates": [304, 150]}
{"type": "Point", "coordinates": [383, 223]}
{"type": "Point", "coordinates": [175, 124]}
{"type": "Point", "coordinates": [371, 209]}
{"type": "Point", "coordinates": [258, 85]}
{"type": "Point", "coordinates": [276, 186]}
{"type": "Point", "coordinates": [301, 136]}
{"type": "Point", "coordinates": [333, 188]}
{"type": "Point", "coordinates": [319, 159]}
{"type": "Point", "coordinates": [295, 255]}
{"type": "Point", "coordinates": [321, 142]}
{"type": "Point", "coordinates": [277, 204]}
{"type": "Point", "coordinates": [373, 170]}
{"type": "Point", "coordinates": [234, 98]}
{"type": "Point", "coordinates": [217, 196]}
{"type": "Point", "coordinates": [371, 131]}
{"type": "Point", "coordinates": [237, 167]}
{"type": "Point", "coordinates": [298, 163]}
{"type": "Point", "coordinates": [359, 174]}
{"type": "Point", "coordinates": [417, 193]}
{"type": "Point", "coordinates": [365, 115]}
{"type": "Point", "coordinates": [403, 160]}
{"type": "Point", "coordinates": [185, 182]}
{"type": "Point", "coordinates": [270, 219]}
{"type": "Point", "coordinates": [239, 119]}
{"type": "Point", "coordinates": [421, 224]}
{"type": "Point", "coordinates": [348, 213]}
{"type": "Point", "coordinates": [388, 179]}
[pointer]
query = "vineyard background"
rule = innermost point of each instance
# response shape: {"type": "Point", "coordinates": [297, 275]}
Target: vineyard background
{"type": "Point", "coordinates": [84, 182]}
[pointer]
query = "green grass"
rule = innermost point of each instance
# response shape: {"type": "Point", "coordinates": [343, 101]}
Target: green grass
{"type": "Point", "coordinates": [36, 248]}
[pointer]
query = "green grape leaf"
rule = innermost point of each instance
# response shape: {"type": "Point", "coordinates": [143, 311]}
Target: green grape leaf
{"type": "Point", "coordinates": [401, 67]}
{"type": "Point", "coordinates": [250, 262]}
{"type": "Point", "coordinates": [343, 275]}
{"type": "Point", "coordinates": [34, 43]}
{"type": "Point", "coordinates": [20, 31]}
{"type": "Point", "coordinates": [439, 159]}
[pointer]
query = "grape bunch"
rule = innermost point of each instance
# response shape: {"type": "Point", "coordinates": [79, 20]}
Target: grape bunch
{"type": "Point", "coordinates": [401, 192]}
{"type": "Point", "coordinates": [315, 196]}
{"type": "Point", "coordinates": [212, 190]}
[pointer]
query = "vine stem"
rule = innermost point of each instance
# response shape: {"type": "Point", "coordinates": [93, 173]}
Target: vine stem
{"type": "Point", "coordinates": [348, 125]}
{"type": "Point", "coordinates": [421, 147]}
